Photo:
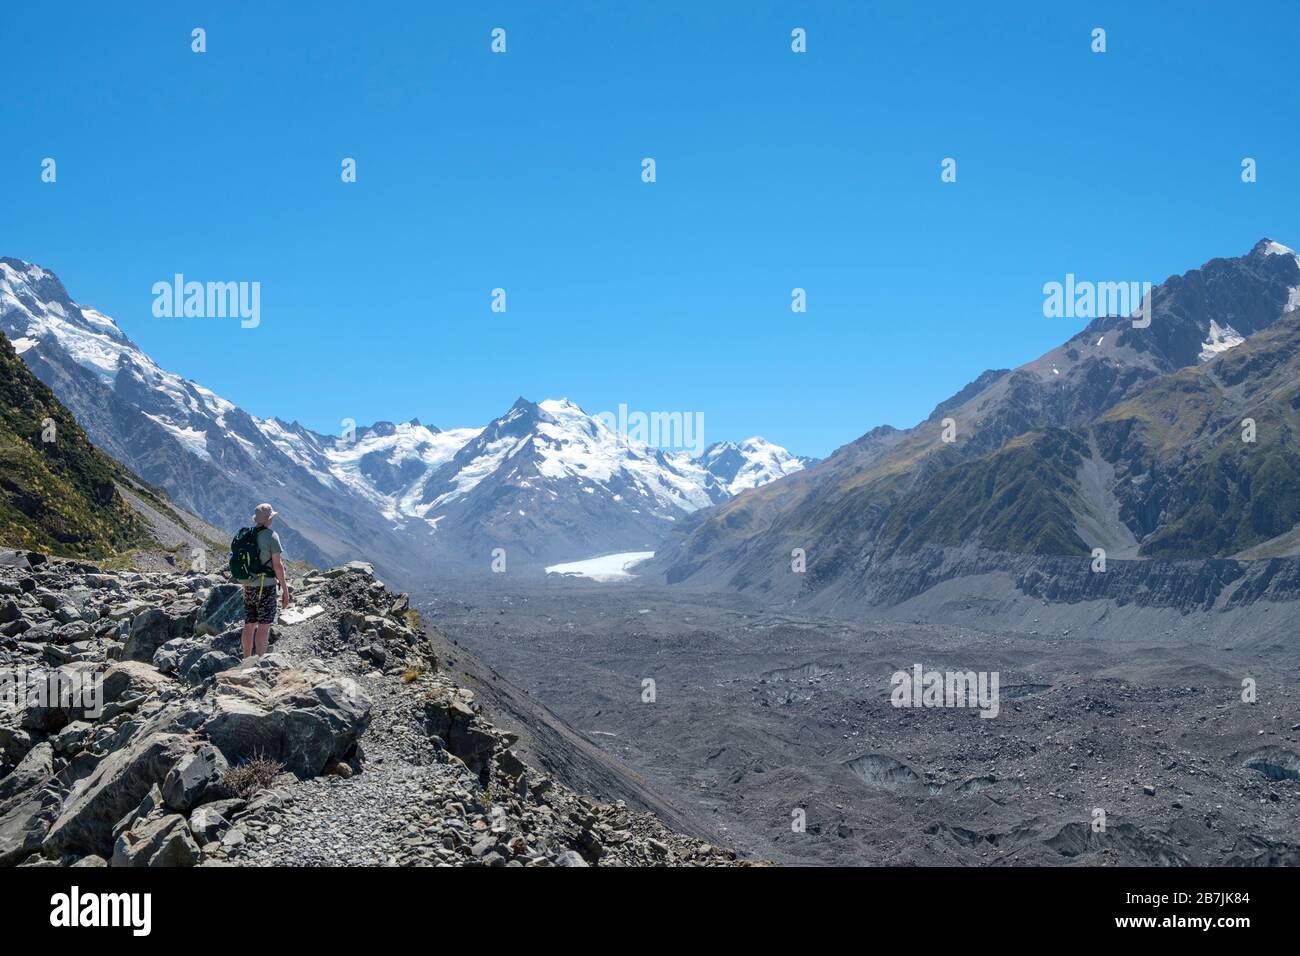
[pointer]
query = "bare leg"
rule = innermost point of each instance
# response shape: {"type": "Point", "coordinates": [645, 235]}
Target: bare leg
{"type": "Point", "coordinates": [263, 637]}
{"type": "Point", "coordinates": [246, 639]}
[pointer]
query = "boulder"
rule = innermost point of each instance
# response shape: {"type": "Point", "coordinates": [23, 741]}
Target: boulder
{"type": "Point", "coordinates": [194, 777]}
{"type": "Point", "coordinates": [162, 842]}
{"type": "Point", "coordinates": [153, 628]}
{"type": "Point", "coordinates": [223, 608]}
{"type": "Point", "coordinates": [181, 655]}
{"type": "Point", "coordinates": [208, 665]}
{"type": "Point", "coordinates": [66, 614]}
{"type": "Point", "coordinates": [305, 718]}
{"type": "Point", "coordinates": [24, 823]}
{"type": "Point", "coordinates": [151, 807]}
{"type": "Point", "coordinates": [131, 679]}
{"type": "Point", "coordinates": [72, 738]}
{"type": "Point", "coordinates": [115, 788]}
{"type": "Point", "coordinates": [62, 695]}
{"type": "Point", "coordinates": [32, 771]}
{"type": "Point", "coordinates": [15, 742]}
{"type": "Point", "coordinates": [453, 720]}
{"type": "Point", "coordinates": [210, 822]}
{"type": "Point", "coordinates": [14, 628]}
{"type": "Point", "coordinates": [40, 631]}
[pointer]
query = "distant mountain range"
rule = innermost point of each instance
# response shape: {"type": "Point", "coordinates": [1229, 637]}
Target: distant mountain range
{"type": "Point", "coordinates": [546, 481]}
{"type": "Point", "coordinates": [1124, 438]}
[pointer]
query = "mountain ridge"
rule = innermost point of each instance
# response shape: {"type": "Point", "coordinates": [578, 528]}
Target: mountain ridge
{"type": "Point", "coordinates": [1025, 471]}
{"type": "Point", "coordinates": [401, 495]}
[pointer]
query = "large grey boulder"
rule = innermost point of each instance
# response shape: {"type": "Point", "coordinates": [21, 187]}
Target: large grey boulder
{"type": "Point", "coordinates": [115, 788]}
{"type": "Point", "coordinates": [195, 776]}
{"type": "Point", "coordinates": [62, 695]}
{"type": "Point", "coordinates": [223, 608]}
{"type": "Point", "coordinates": [151, 629]}
{"type": "Point", "coordinates": [194, 659]}
{"type": "Point", "coordinates": [32, 771]}
{"type": "Point", "coordinates": [15, 741]}
{"type": "Point", "coordinates": [132, 678]}
{"type": "Point", "coordinates": [24, 823]}
{"type": "Point", "coordinates": [208, 665]}
{"type": "Point", "coordinates": [303, 717]}
{"type": "Point", "coordinates": [165, 841]}
{"type": "Point", "coordinates": [72, 739]}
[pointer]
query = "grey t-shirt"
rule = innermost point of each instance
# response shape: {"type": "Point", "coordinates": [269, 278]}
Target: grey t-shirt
{"type": "Point", "coordinates": [268, 543]}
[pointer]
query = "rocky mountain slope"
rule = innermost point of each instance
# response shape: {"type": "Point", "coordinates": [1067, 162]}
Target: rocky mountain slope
{"type": "Point", "coordinates": [546, 481]}
{"type": "Point", "coordinates": [349, 743]}
{"type": "Point", "coordinates": [1123, 438]}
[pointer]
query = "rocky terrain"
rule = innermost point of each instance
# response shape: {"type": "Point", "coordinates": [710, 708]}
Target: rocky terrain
{"type": "Point", "coordinates": [760, 713]}
{"type": "Point", "coordinates": [131, 734]}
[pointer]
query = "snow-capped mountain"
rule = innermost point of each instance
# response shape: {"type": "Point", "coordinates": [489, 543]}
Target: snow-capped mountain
{"type": "Point", "coordinates": [211, 456]}
{"type": "Point", "coordinates": [739, 466]}
{"type": "Point", "coordinates": [546, 478]}
{"type": "Point", "coordinates": [546, 481]}
{"type": "Point", "coordinates": [388, 463]}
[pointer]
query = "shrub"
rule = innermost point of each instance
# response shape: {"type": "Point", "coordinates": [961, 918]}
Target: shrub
{"type": "Point", "coordinates": [250, 777]}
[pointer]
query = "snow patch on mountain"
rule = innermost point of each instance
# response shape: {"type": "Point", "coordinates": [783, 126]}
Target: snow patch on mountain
{"type": "Point", "coordinates": [572, 444]}
{"type": "Point", "coordinates": [1222, 338]}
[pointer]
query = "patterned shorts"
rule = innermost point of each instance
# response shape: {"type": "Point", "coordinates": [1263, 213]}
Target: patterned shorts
{"type": "Point", "coordinates": [259, 603]}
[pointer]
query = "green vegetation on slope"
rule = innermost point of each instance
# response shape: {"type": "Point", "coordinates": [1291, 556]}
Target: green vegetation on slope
{"type": "Point", "coordinates": [1214, 493]}
{"type": "Point", "coordinates": [57, 496]}
{"type": "Point", "coordinates": [1016, 499]}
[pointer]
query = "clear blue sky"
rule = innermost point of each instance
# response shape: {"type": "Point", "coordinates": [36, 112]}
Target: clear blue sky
{"type": "Point", "coordinates": [522, 171]}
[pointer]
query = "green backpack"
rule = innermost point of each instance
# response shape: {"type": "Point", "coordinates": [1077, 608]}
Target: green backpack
{"type": "Point", "coordinates": [246, 555]}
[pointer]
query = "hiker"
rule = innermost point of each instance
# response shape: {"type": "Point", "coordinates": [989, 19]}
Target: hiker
{"type": "Point", "coordinates": [256, 564]}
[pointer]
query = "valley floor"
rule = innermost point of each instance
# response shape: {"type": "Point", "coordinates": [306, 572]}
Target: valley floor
{"type": "Point", "coordinates": [1103, 752]}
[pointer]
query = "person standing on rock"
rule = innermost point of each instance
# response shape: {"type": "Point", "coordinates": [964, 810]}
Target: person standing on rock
{"type": "Point", "coordinates": [256, 564]}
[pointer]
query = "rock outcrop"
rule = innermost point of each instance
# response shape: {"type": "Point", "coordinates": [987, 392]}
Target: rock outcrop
{"type": "Point", "coordinates": [138, 736]}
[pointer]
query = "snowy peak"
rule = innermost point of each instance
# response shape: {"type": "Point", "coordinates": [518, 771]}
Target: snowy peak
{"type": "Point", "coordinates": [556, 444]}
{"type": "Point", "coordinates": [546, 478]}
{"type": "Point", "coordinates": [35, 307]}
{"type": "Point", "coordinates": [1267, 247]}
{"type": "Point", "coordinates": [387, 463]}
{"type": "Point", "coordinates": [739, 466]}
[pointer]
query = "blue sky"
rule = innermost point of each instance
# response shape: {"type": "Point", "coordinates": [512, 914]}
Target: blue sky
{"type": "Point", "coordinates": [522, 171]}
